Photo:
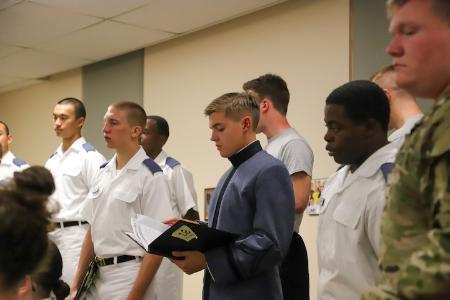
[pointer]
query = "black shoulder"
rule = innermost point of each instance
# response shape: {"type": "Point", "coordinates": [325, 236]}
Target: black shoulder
{"type": "Point", "coordinates": [88, 147]}
{"type": "Point", "coordinates": [19, 162]}
{"type": "Point", "coordinates": [172, 162]}
{"type": "Point", "coordinates": [104, 164]}
{"type": "Point", "coordinates": [386, 169]}
{"type": "Point", "coordinates": [152, 166]}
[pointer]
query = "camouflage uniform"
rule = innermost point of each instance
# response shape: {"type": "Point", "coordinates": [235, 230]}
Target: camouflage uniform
{"type": "Point", "coordinates": [415, 242]}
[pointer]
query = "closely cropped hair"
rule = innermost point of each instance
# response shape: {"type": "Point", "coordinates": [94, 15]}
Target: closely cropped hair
{"type": "Point", "coordinates": [23, 224]}
{"type": "Point", "coordinates": [235, 106]}
{"type": "Point", "coordinates": [80, 110]}
{"type": "Point", "coordinates": [384, 70]}
{"type": "Point", "coordinates": [362, 100]}
{"type": "Point", "coordinates": [441, 8]}
{"type": "Point", "coordinates": [161, 124]}
{"type": "Point", "coordinates": [135, 113]}
{"type": "Point", "coordinates": [269, 86]}
{"type": "Point", "coordinates": [6, 127]}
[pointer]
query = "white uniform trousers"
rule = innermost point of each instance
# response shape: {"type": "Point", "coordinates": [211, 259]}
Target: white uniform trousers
{"type": "Point", "coordinates": [169, 281]}
{"type": "Point", "coordinates": [69, 241]}
{"type": "Point", "coordinates": [114, 282]}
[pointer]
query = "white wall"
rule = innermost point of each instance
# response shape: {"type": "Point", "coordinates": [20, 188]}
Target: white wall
{"type": "Point", "coordinates": [28, 113]}
{"type": "Point", "coordinates": [306, 42]}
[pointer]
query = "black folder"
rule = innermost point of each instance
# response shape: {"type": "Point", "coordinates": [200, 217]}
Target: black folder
{"type": "Point", "coordinates": [187, 236]}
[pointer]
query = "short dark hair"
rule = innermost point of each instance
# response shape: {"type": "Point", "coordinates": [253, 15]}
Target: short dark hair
{"type": "Point", "coordinates": [80, 110]}
{"type": "Point", "coordinates": [6, 127]}
{"type": "Point", "coordinates": [362, 100]}
{"type": "Point", "coordinates": [47, 276]}
{"type": "Point", "coordinates": [161, 125]}
{"type": "Point", "coordinates": [270, 86]}
{"type": "Point", "coordinates": [135, 113]}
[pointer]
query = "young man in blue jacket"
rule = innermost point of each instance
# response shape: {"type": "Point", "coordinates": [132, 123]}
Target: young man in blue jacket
{"type": "Point", "coordinates": [253, 199]}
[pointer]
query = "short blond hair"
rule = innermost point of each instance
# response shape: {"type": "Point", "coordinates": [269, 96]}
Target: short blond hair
{"type": "Point", "coordinates": [440, 8]}
{"type": "Point", "coordinates": [235, 106]}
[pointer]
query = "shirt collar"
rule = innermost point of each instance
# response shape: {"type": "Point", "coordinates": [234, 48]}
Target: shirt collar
{"type": "Point", "coordinates": [161, 158]}
{"type": "Point", "coordinates": [244, 154]}
{"type": "Point", "coordinates": [283, 133]}
{"type": "Point", "coordinates": [133, 164]}
{"type": "Point", "coordinates": [8, 158]}
{"type": "Point", "coordinates": [373, 163]}
{"type": "Point", "coordinates": [406, 128]}
{"type": "Point", "coordinates": [76, 146]}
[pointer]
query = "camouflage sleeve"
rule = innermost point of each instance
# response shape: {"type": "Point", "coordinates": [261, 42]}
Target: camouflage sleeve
{"type": "Point", "coordinates": [427, 273]}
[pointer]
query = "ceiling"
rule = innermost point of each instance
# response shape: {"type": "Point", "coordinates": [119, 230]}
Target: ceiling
{"type": "Point", "coordinates": [39, 38]}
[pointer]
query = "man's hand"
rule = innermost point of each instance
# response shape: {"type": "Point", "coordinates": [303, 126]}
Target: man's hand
{"type": "Point", "coordinates": [172, 221]}
{"type": "Point", "coordinates": [193, 261]}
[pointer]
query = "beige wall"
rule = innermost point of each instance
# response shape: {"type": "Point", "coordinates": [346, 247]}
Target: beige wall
{"type": "Point", "coordinates": [306, 42]}
{"type": "Point", "coordinates": [28, 113]}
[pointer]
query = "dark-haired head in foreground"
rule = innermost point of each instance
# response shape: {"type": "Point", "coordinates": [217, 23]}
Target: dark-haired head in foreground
{"type": "Point", "coordinates": [23, 231]}
{"type": "Point", "coordinates": [46, 278]}
{"type": "Point", "coordinates": [357, 118]}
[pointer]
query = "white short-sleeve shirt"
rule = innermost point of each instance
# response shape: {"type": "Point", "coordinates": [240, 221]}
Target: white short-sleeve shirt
{"type": "Point", "coordinates": [349, 227]}
{"type": "Point", "coordinates": [74, 172]}
{"type": "Point", "coordinates": [181, 184]}
{"type": "Point", "coordinates": [10, 164]}
{"type": "Point", "coordinates": [116, 197]}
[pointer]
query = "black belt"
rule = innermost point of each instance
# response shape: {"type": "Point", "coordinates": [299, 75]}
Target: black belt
{"type": "Point", "coordinates": [101, 262]}
{"type": "Point", "coordinates": [69, 223]}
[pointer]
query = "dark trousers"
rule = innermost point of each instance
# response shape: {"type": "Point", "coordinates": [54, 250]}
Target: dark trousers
{"type": "Point", "coordinates": [294, 271]}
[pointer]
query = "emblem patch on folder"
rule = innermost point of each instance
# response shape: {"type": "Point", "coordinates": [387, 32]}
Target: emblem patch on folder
{"type": "Point", "coordinates": [184, 233]}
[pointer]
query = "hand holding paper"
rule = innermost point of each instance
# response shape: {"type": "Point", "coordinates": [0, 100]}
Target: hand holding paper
{"type": "Point", "coordinates": [160, 239]}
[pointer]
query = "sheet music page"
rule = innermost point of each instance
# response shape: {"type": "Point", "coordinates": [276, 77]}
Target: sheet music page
{"type": "Point", "coordinates": [147, 229]}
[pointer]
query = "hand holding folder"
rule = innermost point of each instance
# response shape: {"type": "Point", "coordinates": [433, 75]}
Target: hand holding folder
{"type": "Point", "coordinates": [160, 239]}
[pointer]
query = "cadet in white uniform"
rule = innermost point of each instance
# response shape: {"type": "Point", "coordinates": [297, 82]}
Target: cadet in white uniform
{"type": "Point", "coordinates": [129, 184]}
{"type": "Point", "coordinates": [8, 162]}
{"type": "Point", "coordinates": [405, 112]}
{"type": "Point", "coordinates": [356, 115]}
{"type": "Point", "coordinates": [169, 279]}
{"type": "Point", "coordinates": [73, 166]}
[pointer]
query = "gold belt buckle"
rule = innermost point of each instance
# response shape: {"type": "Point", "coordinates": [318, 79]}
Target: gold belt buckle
{"type": "Point", "coordinates": [100, 261]}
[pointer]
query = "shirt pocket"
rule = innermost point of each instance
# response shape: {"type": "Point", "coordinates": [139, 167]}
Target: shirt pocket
{"type": "Point", "coordinates": [71, 172]}
{"type": "Point", "coordinates": [126, 196]}
{"type": "Point", "coordinates": [349, 214]}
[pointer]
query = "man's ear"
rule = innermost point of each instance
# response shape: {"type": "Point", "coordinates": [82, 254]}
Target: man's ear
{"type": "Point", "coordinates": [136, 131]}
{"type": "Point", "coordinates": [25, 287]}
{"type": "Point", "coordinates": [247, 123]}
{"type": "Point", "coordinates": [371, 127]}
{"type": "Point", "coordinates": [388, 94]}
{"type": "Point", "coordinates": [264, 105]}
{"type": "Point", "coordinates": [10, 139]}
{"type": "Point", "coordinates": [80, 122]}
{"type": "Point", "coordinates": [163, 140]}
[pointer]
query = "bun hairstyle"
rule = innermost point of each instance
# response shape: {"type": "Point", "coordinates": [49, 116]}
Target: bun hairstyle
{"type": "Point", "coordinates": [47, 276]}
{"type": "Point", "coordinates": [23, 225]}
{"type": "Point", "coordinates": [35, 180]}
